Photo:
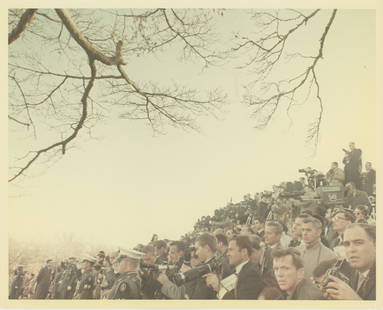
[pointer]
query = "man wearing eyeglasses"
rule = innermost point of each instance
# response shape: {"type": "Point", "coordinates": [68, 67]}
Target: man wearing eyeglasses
{"type": "Point", "coordinates": [341, 220]}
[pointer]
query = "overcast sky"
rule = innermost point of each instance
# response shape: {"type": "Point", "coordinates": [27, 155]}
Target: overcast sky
{"type": "Point", "coordinates": [126, 184]}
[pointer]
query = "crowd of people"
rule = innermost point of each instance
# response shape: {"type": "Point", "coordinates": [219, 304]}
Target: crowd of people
{"type": "Point", "coordinates": [311, 239]}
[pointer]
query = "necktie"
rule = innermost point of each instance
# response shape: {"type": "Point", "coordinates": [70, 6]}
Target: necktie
{"type": "Point", "coordinates": [361, 282]}
{"type": "Point", "coordinates": [235, 286]}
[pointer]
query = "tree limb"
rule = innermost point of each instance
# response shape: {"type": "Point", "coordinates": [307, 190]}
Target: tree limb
{"type": "Point", "coordinates": [84, 42]}
{"type": "Point", "coordinates": [80, 124]}
{"type": "Point", "coordinates": [24, 21]}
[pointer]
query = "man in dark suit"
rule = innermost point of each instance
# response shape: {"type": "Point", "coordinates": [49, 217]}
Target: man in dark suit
{"type": "Point", "coordinates": [369, 179]}
{"type": "Point", "coordinates": [246, 282]}
{"type": "Point", "coordinates": [353, 165]}
{"type": "Point", "coordinates": [341, 219]}
{"type": "Point", "coordinates": [43, 280]}
{"type": "Point", "coordinates": [206, 250]}
{"type": "Point", "coordinates": [355, 197]}
{"type": "Point", "coordinates": [273, 234]}
{"type": "Point", "coordinates": [360, 244]}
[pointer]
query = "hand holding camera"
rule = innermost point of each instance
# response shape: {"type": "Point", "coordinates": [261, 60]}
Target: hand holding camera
{"type": "Point", "coordinates": [340, 290]}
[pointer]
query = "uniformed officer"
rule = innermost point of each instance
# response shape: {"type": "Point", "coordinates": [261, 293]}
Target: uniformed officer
{"type": "Point", "coordinates": [68, 280]}
{"type": "Point", "coordinates": [16, 288]}
{"type": "Point", "coordinates": [87, 283]}
{"type": "Point", "coordinates": [128, 283]}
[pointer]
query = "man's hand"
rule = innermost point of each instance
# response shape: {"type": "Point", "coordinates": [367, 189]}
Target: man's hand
{"type": "Point", "coordinates": [162, 278]}
{"type": "Point", "coordinates": [212, 281]}
{"type": "Point", "coordinates": [338, 289]}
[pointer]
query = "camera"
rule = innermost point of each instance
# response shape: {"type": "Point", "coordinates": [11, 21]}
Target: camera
{"type": "Point", "coordinates": [307, 170]}
{"type": "Point", "coordinates": [188, 255]}
{"type": "Point", "coordinates": [336, 271]}
{"type": "Point", "coordinates": [183, 277]}
{"type": "Point", "coordinates": [158, 267]}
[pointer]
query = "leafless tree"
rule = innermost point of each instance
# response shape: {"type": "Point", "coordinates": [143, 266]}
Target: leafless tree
{"type": "Point", "coordinates": [69, 68]}
{"type": "Point", "coordinates": [275, 41]}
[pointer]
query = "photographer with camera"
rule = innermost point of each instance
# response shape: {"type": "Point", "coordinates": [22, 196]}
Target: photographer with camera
{"type": "Point", "coordinates": [175, 262]}
{"type": "Point", "coordinates": [191, 282]}
{"type": "Point", "coordinates": [160, 251]}
{"type": "Point", "coordinates": [360, 245]}
{"type": "Point", "coordinates": [246, 282]}
{"type": "Point", "coordinates": [174, 291]}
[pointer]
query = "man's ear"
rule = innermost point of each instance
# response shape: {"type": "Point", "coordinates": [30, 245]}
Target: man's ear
{"type": "Point", "coordinates": [301, 273]}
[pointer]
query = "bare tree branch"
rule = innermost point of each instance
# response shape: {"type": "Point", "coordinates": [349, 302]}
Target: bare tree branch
{"type": "Point", "coordinates": [25, 20]}
{"type": "Point", "coordinates": [85, 44]}
{"type": "Point", "coordinates": [80, 124]}
{"type": "Point", "coordinates": [286, 89]}
{"type": "Point", "coordinates": [17, 121]}
{"type": "Point", "coordinates": [47, 88]}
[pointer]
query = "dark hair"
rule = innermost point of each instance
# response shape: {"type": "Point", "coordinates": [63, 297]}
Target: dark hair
{"type": "Point", "coordinates": [259, 219]}
{"type": "Point", "coordinates": [294, 253]}
{"type": "Point", "coordinates": [181, 247]}
{"type": "Point", "coordinates": [159, 244]}
{"type": "Point", "coordinates": [48, 261]}
{"type": "Point", "coordinates": [243, 242]}
{"type": "Point", "coordinates": [255, 242]}
{"type": "Point", "coordinates": [313, 220]}
{"type": "Point", "coordinates": [369, 229]}
{"type": "Point", "coordinates": [363, 209]}
{"type": "Point", "coordinates": [322, 268]}
{"type": "Point", "coordinates": [221, 238]}
{"type": "Point", "coordinates": [148, 249]}
{"type": "Point", "coordinates": [209, 240]}
{"type": "Point", "coordinates": [347, 215]}
{"type": "Point", "coordinates": [303, 215]}
{"type": "Point", "coordinates": [277, 226]}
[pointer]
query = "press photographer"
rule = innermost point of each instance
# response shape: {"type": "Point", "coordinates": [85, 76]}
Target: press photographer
{"type": "Point", "coordinates": [191, 282]}
{"type": "Point", "coordinates": [360, 244]}
{"type": "Point", "coordinates": [246, 281]}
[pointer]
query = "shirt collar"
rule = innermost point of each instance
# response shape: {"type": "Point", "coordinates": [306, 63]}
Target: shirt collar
{"type": "Point", "coordinates": [240, 266]}
{"type": "Point", "coordinates": [364, 274]}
